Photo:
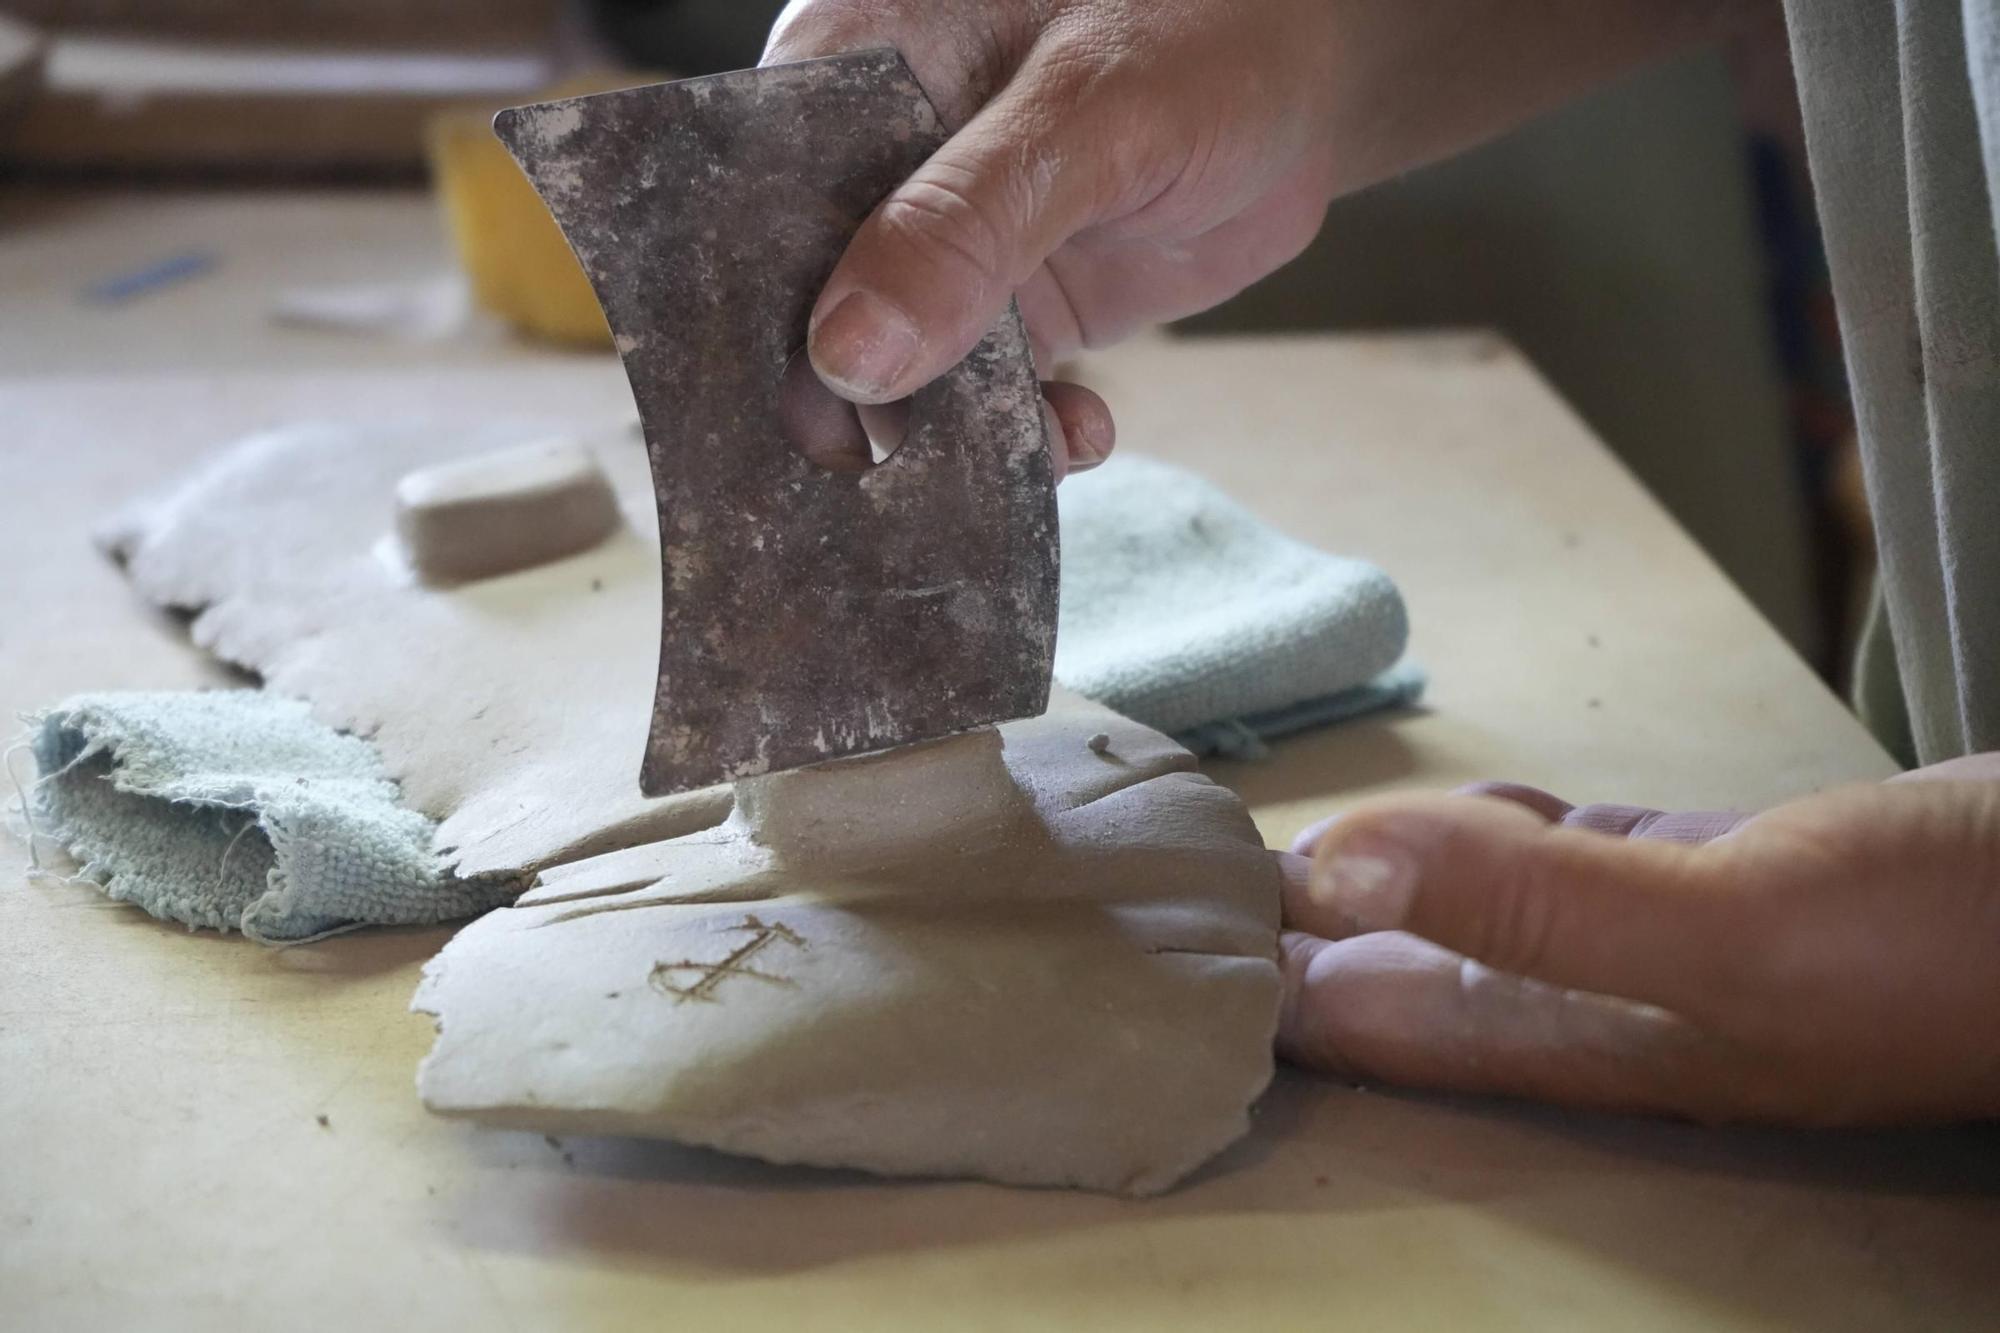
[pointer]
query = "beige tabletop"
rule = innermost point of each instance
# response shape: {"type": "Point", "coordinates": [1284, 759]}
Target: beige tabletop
{"type": "Point", "coordinates": [203, 1133]}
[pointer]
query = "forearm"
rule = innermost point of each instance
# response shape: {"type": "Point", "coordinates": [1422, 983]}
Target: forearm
{"type": "Point", "coordinates": [1414, 81]}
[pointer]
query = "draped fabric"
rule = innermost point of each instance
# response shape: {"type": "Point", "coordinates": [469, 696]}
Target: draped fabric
{"type": "Point", "coordinates": [1902, 109]}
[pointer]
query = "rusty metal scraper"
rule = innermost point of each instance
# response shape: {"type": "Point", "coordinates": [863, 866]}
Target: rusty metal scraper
{"type": "Point", "coordinates": [808, 613]}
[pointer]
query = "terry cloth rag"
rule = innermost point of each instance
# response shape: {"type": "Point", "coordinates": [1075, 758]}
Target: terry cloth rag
{"type": "Point", "coordinates": [1184, 611]}
{"type": "Point", "coordinates": [235, 809]}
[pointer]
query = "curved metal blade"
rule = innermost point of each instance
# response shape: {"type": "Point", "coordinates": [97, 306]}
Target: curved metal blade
{"type": "Point", "coordinates": [807, 613]}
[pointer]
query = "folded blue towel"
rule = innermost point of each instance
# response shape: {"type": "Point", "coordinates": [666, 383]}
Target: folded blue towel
{"type": "Point", "coordinates": [1186, 612]}
{"type": "Point", "coordinates": [1245, 737]}
{"type": "Point", "coordinates": [236, 810]}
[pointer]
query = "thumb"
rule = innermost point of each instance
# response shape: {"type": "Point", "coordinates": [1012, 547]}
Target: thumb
{"type": "Point", "coordinates": [929, 273]}
{"type": "Point", "coordinates": [1500, 884]}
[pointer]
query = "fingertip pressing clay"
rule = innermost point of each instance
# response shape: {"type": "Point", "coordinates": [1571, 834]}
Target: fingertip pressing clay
{"type": "Point", "coordinates": [494, 513]}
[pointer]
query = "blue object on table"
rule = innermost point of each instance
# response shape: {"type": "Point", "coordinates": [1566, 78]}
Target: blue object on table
{"type": "Point", "coordinates": [1246, 737]}
{"type": "Point", "coordinates": [1184, 611]}
{"type": "Point", "coordinates": [139, 281]}
{"type": "Point", "coordinates": [237, 810]}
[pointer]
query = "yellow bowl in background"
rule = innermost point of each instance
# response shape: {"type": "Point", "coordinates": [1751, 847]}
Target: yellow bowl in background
{"type": "Point", "coordinates": [520, 267]}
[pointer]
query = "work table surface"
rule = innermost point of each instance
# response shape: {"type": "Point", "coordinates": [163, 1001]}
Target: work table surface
{"type": "Point", "coordinates": [204, 1133]}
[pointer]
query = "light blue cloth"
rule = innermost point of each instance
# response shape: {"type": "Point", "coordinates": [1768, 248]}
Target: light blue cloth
{"type": "Point", "coordinates": [1186, 612]}
{"type": "Point", "coordinates": [1245, 737]}
{"type": "Point", "coordinates": [235, 809]}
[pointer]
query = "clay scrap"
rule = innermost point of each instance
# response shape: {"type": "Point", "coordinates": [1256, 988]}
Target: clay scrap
{"type": "Point", "coordinates": [491, 514]}
{"type": "Point", "coordinates": [1011, 954]}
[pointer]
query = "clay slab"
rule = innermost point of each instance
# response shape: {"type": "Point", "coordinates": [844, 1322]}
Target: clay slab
{"type": "Point", "coordinates": [1006, 955]}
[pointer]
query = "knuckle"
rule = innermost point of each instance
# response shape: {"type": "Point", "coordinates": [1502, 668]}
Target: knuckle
{"type": "Point", "coordinates": [1138, 143]}
{"type": "Point", "coordinates": [961, 53]}
{"type": "Point", "coordinates": [1069, 64]}
{"type": "Point", "coordinates": [948, 222]}
{"type": "Point", "coordinates": [1081, 64]}
{"type": "Point", "coordinates": [808, 28]}
{"type": "Point", "coordinates": [1518, 919]}
{"type": "Point", "coordinates": [1301, 1037]}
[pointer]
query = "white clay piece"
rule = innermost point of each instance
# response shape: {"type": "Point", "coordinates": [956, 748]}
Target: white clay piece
{"type": "Point", "coordinates": [492, 514]}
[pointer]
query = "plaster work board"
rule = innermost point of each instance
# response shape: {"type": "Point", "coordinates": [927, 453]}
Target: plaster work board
{"type": "Point", "coordinates": [179, 1081]}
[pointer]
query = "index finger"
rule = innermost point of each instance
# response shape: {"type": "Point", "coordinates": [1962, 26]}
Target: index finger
{"type": "Point", "coordinates": [1650, 920]}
